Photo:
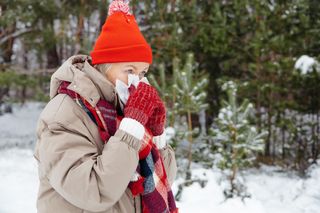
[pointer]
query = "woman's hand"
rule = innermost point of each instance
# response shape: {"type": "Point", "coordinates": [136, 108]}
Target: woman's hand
{"type": "Point", "coordinates": [141, 103]}
{"type": "Point", "coordinates": [140, 106]}
{"type": "Point", "coordinates": [157, 120]}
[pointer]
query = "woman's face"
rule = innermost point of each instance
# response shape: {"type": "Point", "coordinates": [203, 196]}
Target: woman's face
{"type": "Point", "coordinates": [121, 70]}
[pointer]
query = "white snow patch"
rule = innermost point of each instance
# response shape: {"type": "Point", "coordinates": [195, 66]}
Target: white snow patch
{"type": "Point", "coordinates": [305, 64]}
{"type": "Point", "coordinates": [18, 128]}
{"type": "Point", "coordinates": [19, 181]}
{"type": "Point", "coordinates": [272, 192]}
{"type": "Point", "coordinates": [170, 133]}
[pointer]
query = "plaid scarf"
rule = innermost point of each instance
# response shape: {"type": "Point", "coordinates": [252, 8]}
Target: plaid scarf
{"type": "Point", "coordinates": [150, 177]}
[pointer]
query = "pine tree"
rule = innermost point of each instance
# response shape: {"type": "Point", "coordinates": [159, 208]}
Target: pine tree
{"type": "Point", "coordinates": [185, 95]}
{"type": "Point", "coordinates": [191, 96]}
{"type": "Point", "coordinates": [237, 140]}
{"type": "Point", "coordinates": [190, 91]}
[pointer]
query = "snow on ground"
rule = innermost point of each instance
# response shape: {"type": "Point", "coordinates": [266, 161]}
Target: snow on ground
{"type": "Point", "coordinates": [18, 128]}
{"type": "Point", "coordinates": [272, 191]}
{"type": "Point", "coordinates": [19, 181]}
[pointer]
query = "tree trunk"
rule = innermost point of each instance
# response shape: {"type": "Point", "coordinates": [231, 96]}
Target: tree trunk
{"type": "Point", "coordinates": [267, 145]}
{"type": "Point", "coordinates": [283, 132]}
{"type": "Point", "coordinates": [103, 12]}
{"type": "Point", "coordinates": [80, 28]}
{"type": "Point", "coordinates": [190, 140]}
{"type": "Point", "coordinates": [7, 35]}
{"type": "Point", "coordinates": [52, 53]}
{"type": "Point", "coordinates": [52, 57]}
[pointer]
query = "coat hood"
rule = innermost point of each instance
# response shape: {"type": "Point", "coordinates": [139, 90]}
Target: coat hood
{"type": "Point", "coordinates": [85, 80]}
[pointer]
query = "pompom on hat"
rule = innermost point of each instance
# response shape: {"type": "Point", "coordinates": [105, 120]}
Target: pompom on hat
{"type": "Point", "coordinates": [120, 39]}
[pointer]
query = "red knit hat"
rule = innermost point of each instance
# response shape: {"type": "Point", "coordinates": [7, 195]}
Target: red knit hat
{"type": "Point", "coordinates": [120, 39]}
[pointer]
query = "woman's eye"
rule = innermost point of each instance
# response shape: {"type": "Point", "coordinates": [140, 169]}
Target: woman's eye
{"type": "Point", "coordinates": [144, 74]}
{"type": "Point", "coordinates": [129, 71]}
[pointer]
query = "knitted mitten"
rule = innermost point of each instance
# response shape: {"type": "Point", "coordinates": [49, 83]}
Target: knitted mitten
{"type": "Point", "coordinates": [140, 107]}
{"type": "Point", "coordinates": [156, 122]}
{"type": "Point", "coordinates": [140, 104]}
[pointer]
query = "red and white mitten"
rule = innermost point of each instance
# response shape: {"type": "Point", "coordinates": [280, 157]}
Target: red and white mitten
{"type": "Point", "coordinates": [156, 122]}
{"type": "Point", "coordinates": [140, 105]}
{"type": "Point", "coordinates": [137, 111]}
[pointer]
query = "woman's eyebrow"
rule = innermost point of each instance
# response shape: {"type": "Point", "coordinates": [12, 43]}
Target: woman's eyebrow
{"type": "Point", "coordinates": [134, 67]}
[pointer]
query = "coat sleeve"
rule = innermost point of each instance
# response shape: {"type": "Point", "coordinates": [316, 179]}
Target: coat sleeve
{"type": "Point", "coordinates": [169, 162]}
{"type": "Point", "coordinates": [88, 180]}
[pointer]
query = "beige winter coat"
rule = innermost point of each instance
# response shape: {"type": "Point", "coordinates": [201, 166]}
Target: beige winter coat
{"type": "Point", "coordinates": [77, 172]}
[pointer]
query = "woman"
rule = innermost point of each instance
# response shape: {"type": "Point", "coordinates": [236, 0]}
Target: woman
{"type": "Point", "coordinates": [100, 139]}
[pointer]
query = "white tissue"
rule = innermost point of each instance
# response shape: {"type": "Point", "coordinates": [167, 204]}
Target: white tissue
{"type": "Point", "coordinates": [123, 89]}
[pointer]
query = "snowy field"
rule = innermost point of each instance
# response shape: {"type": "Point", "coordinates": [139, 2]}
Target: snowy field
{"type": "Point", "coordinates": [272, 191]}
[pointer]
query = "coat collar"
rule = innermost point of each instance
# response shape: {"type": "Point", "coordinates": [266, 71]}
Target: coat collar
{"type": "Point", "coordinates": [85, 80]}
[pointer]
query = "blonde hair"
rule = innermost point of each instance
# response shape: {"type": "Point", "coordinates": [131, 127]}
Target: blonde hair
{"type": "Point", "coordinates": [103, 68]}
